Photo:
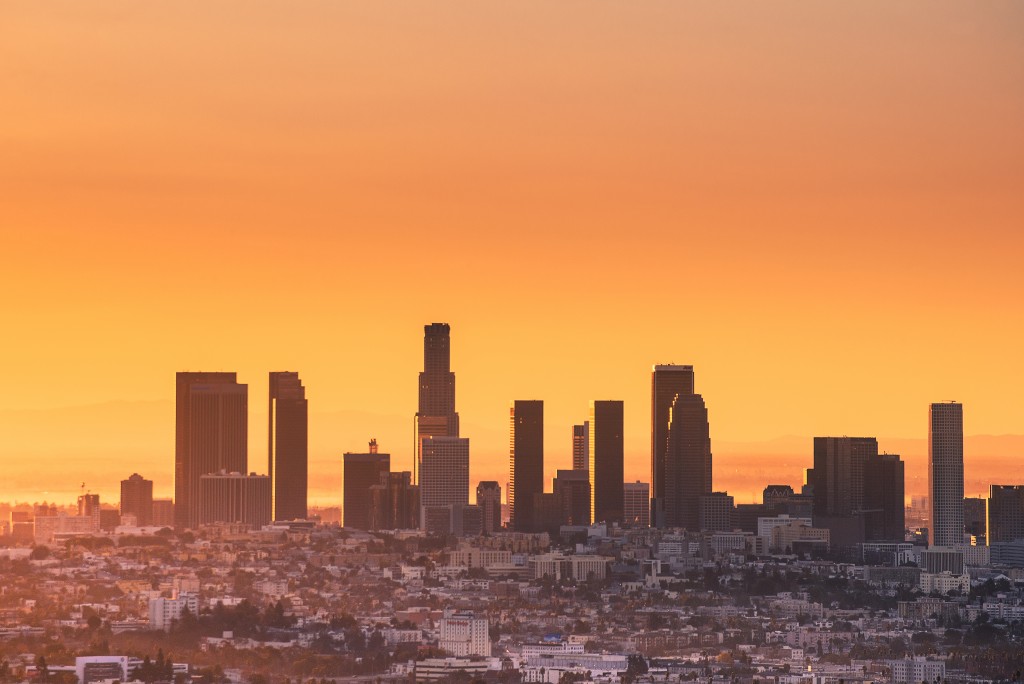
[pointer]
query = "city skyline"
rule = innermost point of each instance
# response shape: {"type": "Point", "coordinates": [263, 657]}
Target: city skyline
{"type": "Point", "coordinates": [840, 209]}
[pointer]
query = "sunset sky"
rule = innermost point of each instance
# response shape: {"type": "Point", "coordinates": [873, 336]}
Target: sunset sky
{"type": "Point", "coordinates": [818, 205]}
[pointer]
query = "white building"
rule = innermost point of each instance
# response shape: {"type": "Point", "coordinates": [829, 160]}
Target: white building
{"type": "Point", "coordinates": [462, 634]}
{"type": "Point", "coordinates": [767, 524]}
{"type": "Point", "coordinates": [944, 582]}
{"type": "Point", "coordinates": [101, 668]}
{"type": "Point", "coordinates": [163, 611]}
{"type": "Point", "coordinates": [917, 670]}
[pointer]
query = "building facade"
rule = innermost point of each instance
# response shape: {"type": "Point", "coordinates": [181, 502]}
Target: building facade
{"type": "Point", "coordinates": [288, 446]}
{"type": "Point", "coordinates": [525, 462]}
{"type": "Point", "coordinates": [211, 435]}
{"type": "Point", "coordinates": [606, 456]}
{"type": "Point", "coordinates": [137, 499]}
{"type": "Point", "coordinates": [946, 474]}
{"type": "Point", "coordinates": [362, 471]}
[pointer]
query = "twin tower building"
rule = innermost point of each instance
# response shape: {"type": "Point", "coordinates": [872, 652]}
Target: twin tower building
{"type": "Point", "coordinates": [211, 479]}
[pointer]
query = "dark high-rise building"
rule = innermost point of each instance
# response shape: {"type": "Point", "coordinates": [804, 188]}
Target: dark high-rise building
{"type": "Point", "coordinates": [946, 474]}
{"type": "Point", "coordinates": [234, 498]}
{"type": "Point", "coordinates": [606, 457]}
{"type": "Point", "coordinates": [547, 513]}
{"type": "Point", "coordinates": [488, 498]}
{"type": "Point", "coordinates": [288, 446]}
{"type": "Point", "coordinates": [395, 503]}
{"type": "Point", "coordinates": [716, 512]}
{"type": "Point", "coordinates": [362, 471]}
{"type": "Point", "coordinates": [975, 517]}
{"type": "Point", "coordinates": [1005, 513]}
{"type": "Point", "coordinates": [211, 435]}
{"type": "Point", "coordinates": [667, 382]}
{"type": "Point", "coordinates": [572, 488]}
{"type": "Point", "coordinates": [525, 462]}
{"type": "Point", "coordinates": [839, 474]}
{"type": "Point", "coordinates": [137, 499]}
{"type": "Point", "coordinates": [579, 446]}
{"type": "Point", "coordinates": [884, 504]}
{"type": "Point", "coordinates": [687, 462]}
{"type": "Point", "coordinates": [435, 416]}
{"type": "Point", "coordinates": [775, 498]}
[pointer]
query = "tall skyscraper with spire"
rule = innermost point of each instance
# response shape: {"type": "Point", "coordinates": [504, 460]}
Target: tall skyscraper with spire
{"type": "Point", "coordinates": [211, 435]}
{"type": "Point", "coordinates": [667, 382]}
{"type": "Point", "coordinates": [525, 462]}
{"type": "Point", "coordinates": [946, 473]}
{"type": "Point", "coordinates": [435, 416]}
{"type": "Point", "coordinates": [288, 446]}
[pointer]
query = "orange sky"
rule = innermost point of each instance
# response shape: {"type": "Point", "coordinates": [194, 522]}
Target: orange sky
{"type": "Point", "coordinates": [819, 205]}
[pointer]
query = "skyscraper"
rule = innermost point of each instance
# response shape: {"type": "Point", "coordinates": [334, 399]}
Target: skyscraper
{"type": "Point", "coordinates": [288, 446]}
{"type": "Point", "coordinates": [946, 473]}
{"type": "Point", "coordinates": [884, 503]}
{"type": "Point", "coordinates": [444, 480]}
{"type": "Point", "coordinates": [395, 503]}
{"type": "Point", "coordinates": [211, 435]}
{"type": "Point", "coordinates": [1005, 513]}
{"type": "Point", "coordinates": [839, 474]}
{"type": "Point", "coordinates": [362, 471]}
{"type": "Point", "coordinates": [137, 499]}
{"type": "Point", "coordinates": [687, 474]}
{"type": "Point", "coordinates": [435, 416]}
{"type": "Point", "coordinates": [488, 498]}
{"type": "Point", "coordinates": [572, 489]}
{"type": "Point", "coordinates": [667, 382]}
{"type": "Point", "coordinates": [525, 462]}
{"type": "Point", "coordinates": [579, 446]}
{"type": "Point", "coordinates": [606, 457]}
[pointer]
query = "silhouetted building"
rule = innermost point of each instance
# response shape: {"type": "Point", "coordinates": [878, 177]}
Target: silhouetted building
{"type": "Point", "coordinates": [667, 382]}
{"type": "Point", "coordinates": [745, 516]}
{"type": "Point", "coordinates": [394, 503]}
{"type": "Point", "coordinates": [211, 435]}
{"type": "Point", "coordinates": [716, 512]}
{"type": "Point", "coordinates": [580, 436]}
{"type": "Point", "coordinates": [606, 461]}
{"type": "Point", "coordinates": [1005, 513]}
{"type": "Point", "coordinates": [163, 512]}
{"type": "Point", "coordinates": [946, 473]}
{"type": "Point", "coordinates": [547, 513]}
{"type": "Point", "coordinates": [488, 498]}
{"type": "Point", "coordinates": [288, 446]}
{"type": "Point", "coordinates": [525, 462]}
{"type": "Point", "coordinates": [884, 503]}
{"type": "Point", "coordinates": [362, 471]}
{"type": "Point", "coordinates": [839, 474]}
{"type": "Point", "coordinates": [435, 416]}
{"type": "Point", "coordinates": [975, 518]}
{"type": "Point", "coordinates": [234, 498]}
{"type": "Point", "coordinates": [572, 489]}
{"type": "Point", "coordinates": [776, 497]}
{"type": "Point", "coordinates": [688, 461]}
{"type": "Point", "coordinates": [137, 499]}
{"type": "Point", "coordinates": [444, 479]}
{"type": "Point", "coordinates": [467, 520]}
{"type": "Point", "coordinates": [636, 502]}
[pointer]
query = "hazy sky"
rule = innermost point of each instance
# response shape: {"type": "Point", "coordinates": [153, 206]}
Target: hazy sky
{"type": "Point", "coordinates": [819, 205]}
